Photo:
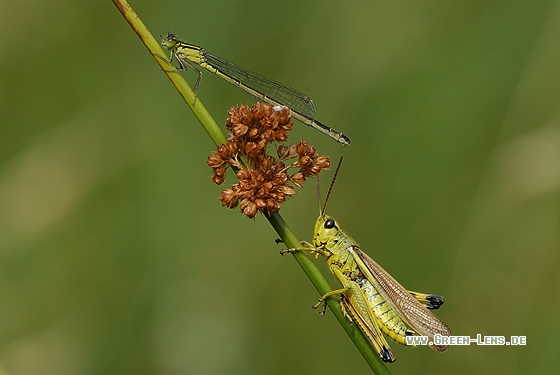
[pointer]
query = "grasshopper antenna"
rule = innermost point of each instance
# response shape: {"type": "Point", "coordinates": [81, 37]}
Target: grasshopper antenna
{"type": "Point", "coordinates": [330, 188]}
{"type": "Point", "coordinates": [318, 194]}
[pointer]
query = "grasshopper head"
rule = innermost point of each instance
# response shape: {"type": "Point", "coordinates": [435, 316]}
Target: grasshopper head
{"type": "Point", "coordinates": [325, 228]}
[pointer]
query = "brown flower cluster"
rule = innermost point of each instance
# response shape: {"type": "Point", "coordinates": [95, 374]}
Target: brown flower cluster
{"type": "Point", "coordinates": [264, 181]}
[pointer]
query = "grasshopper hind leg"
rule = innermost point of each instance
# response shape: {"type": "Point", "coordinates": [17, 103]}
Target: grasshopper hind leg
{"type": "Point", "coordinates": [387, 355]}
{"type": "Point", "coordinates": [343, 303]}
{"type": "Point", "coordinates": [432, 301]}
{"type": "Point", "coordinates": [364, 321]}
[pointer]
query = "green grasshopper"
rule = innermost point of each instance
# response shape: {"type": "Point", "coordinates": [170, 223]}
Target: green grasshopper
{"type": "Point", "coordinates": [369, 294]}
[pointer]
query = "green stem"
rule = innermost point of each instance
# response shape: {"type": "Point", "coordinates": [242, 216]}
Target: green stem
{"type": "Point", "coordinates": [178, 81]}
{"type": "Point", "coordinates": [323, 287]}
{"type": "Point", "coordinates": [217, 136]}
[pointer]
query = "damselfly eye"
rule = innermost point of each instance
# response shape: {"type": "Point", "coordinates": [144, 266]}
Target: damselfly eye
{"type": "Point", "coordinates": [329, 224]}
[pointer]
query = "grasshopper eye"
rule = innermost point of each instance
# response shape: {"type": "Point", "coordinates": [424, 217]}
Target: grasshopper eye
{"type": "Point", "coordinates": [329, 224]}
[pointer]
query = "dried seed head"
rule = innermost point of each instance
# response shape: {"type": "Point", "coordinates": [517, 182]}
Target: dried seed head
{"type": "Point", "coordinates": [229, 198]}
{"type": "Point", "coordinates": [264, 181]}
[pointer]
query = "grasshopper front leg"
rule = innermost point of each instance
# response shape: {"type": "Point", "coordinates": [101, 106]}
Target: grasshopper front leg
{"type": "Point", "coordinates": [306, 246]}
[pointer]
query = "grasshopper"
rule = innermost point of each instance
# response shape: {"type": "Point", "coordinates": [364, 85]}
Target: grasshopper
{"type": "Point", "coordinates": [369, 294]}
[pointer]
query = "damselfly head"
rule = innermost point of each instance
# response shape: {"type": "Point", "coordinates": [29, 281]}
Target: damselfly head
{"type": "Point", "coordinates": [169, 41]}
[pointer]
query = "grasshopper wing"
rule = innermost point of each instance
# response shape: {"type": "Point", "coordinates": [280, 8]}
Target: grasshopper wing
{"type": "Point", "coordinates": [416, 315]}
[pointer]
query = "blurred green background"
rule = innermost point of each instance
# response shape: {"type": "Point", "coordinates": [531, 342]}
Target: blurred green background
{"type": "Point", "coordinates": [117, 258]}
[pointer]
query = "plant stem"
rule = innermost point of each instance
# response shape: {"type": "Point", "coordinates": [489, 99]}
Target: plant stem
{"type": "Point", "coordinates": [217, 136]}
{"type": "Point", "coordinates": [180, 84]}
{"type": "Point", "coordinates": [323, 287]}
